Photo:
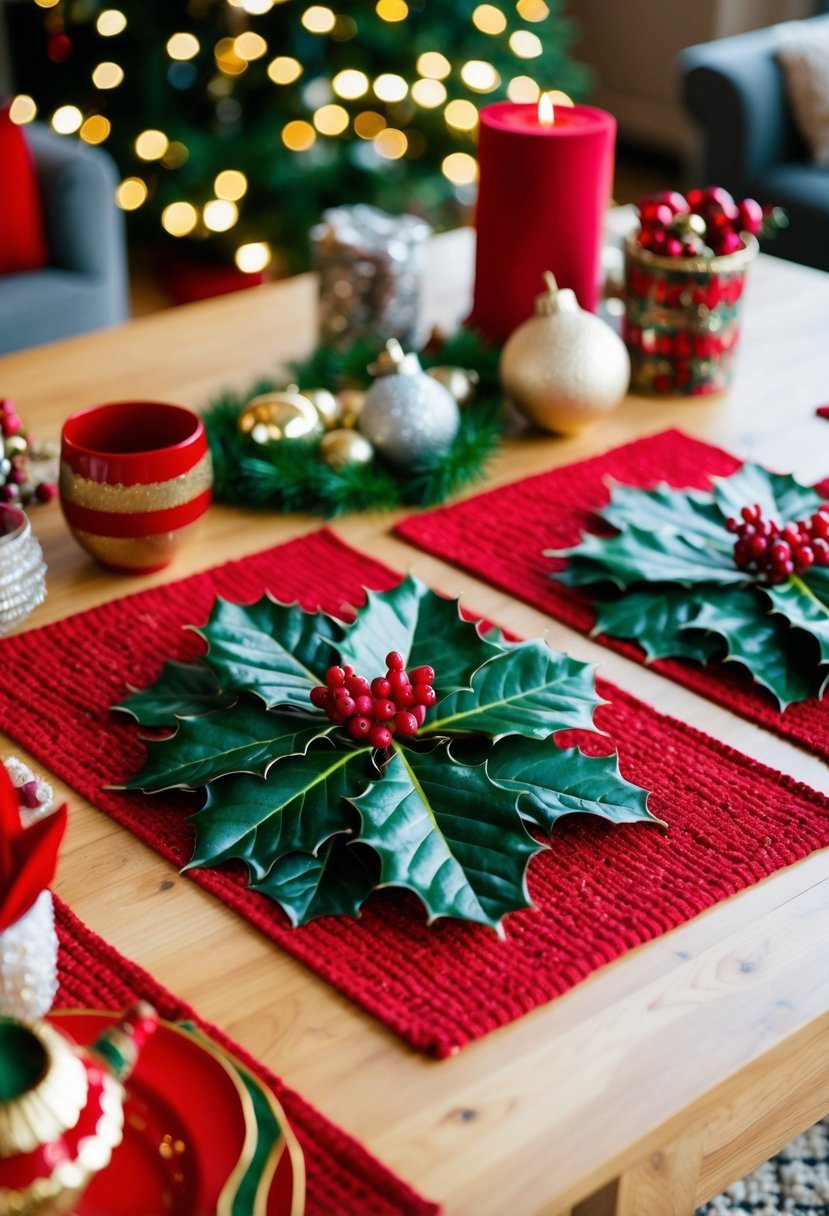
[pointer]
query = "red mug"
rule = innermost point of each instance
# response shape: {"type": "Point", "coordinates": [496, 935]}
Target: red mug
{"type": "Point", "coordinates": [135, 477]}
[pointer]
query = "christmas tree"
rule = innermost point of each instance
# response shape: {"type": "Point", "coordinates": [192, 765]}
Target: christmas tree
{"type": "Point", "coordinates": [234, 123]}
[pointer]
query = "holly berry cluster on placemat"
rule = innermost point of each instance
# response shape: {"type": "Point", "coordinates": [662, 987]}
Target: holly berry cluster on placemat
{"type": "Point", "coordinates": [739, 573]}
{"type": "Point", "coordinates": [22, 462]}
{"type": "Point", "coordinates": [325, 462]}
{"type": "Point", "coordinates": [327, 783]}
{"type": "Point", "coordinates": [706, 222]}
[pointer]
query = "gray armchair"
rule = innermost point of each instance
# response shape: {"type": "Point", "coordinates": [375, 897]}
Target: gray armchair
{"type": "Point", "coordinates": [84, 286]}
{"type": "Point", "coordinates": [734, 91]}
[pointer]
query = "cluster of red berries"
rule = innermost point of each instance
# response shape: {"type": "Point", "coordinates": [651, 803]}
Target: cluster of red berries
{"type": "Point", "coordinates": [395, 703]}
{"type": "Point", "coordinates": [16, 484]}
{"type": "Point", "coordinates": [776, 553]}
{"type": "Point", "coordinates": [701, 223]}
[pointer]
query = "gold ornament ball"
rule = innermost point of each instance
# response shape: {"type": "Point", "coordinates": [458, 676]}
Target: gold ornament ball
{"type": "Point", "coordinates": [277, 417]}
{"type": "Point", "coordinates": [460, 382]}
{"type": "Point", "coordinates": [343, 449]}
{"type": "Point", "coordinates": [326, 405]}
{"type": "Point", "coordinates": [351, 402]}
{"type": "Point", "coordinates": [564, 368]}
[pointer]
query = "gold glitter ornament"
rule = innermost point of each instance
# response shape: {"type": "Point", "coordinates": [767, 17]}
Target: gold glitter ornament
{"type": "Point", "coordinates": [326, 405]}
{"type": "Point", "coordinates": [564, 368]}
{"type": "Point", "coordinates": [274, 417]}
{"type": "Point", "coordinates": [459, 381]}
{"type": "Point", "coordinates": [343, 449]}
{"type": "Point", "coordinates": [407, 415]}
{"type": "Point", "coordinates": [351, 401]}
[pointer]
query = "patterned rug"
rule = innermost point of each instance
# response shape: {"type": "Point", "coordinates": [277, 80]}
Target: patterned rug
{"type": "Point", "coordinates": [795, 1181]}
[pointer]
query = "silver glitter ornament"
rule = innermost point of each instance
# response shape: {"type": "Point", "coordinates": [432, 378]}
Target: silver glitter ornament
{"type": "Point", "coordinates": [407, 415]}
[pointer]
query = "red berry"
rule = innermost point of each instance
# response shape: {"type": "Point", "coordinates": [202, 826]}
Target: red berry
{"type": "Point", "coordinates": [364, 705]}
{"type": "Point", "coordinates": [357, 686]}
{"type": "Point", "coordinates": [45, 491]}
{"type": "Point", "coordinates": [751, 215]}
{"type": "Point", "coordinates": [731, 524]}
{"type": "Point", "coordinates": [820, 548]}
{"type": "Point", "coordinates": [652, 212]}
{"type": "Point", "coordinates": [673, 247]}
{"type": "Point", "coordinates": [395, 661]}
{"type": "Point", "coordinates": [359, 727]}
{"type": "Point", "coordinates": [382, 710]}
{"type": "Point", "coordinates": [804, 558]}
{"type": "Point", "coordinates": [343, 707]}
{"type": "Point", "coordinates": [9, 424]}
{"type": "Point", "coordinates": [398, 678]}
{"type": "Point", "coordinates": [677, 202]}
{"type": "Point", "coordinates": [424, 694]}
{"type": "Point", "coordinates": [405, 723]}
{"type": "Point", "coordinates": [320, 696]}
{"type": "Point", "coordinates": [757, 546]}
{"type": "Point", "coordinates": [422, 675]}
{"type": "Point", "coordinates": [348, 670]}
{"type": "Point", "coordinates": [380, 736]}
{"type": "Point", "coordinates": [751, 514]}
{"type": "Point", "coordinates": [380, 687]}
{"type": "Point", "coordinates": [334, 677]}
{"type": "Point", "coordinates": [404, 697]}
{"type": "Point", "coordinates": [418, 712]}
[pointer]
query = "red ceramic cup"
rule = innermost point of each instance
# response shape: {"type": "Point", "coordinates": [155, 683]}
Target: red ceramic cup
{"type": "Point", "coordinates": [135, 476]}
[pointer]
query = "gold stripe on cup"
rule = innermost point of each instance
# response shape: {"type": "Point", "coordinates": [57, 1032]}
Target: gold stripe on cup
{"type": "Point", "coordinates": [129, 500]}
{"type": "Point", "coordinates": [134, 552]}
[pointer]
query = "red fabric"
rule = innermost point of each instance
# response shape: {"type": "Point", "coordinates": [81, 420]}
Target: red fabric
{"type": "Point", "coordinates": [599, 891]}
{"type": "Point", "coordinates": [22, 237]}
{"type": "Point", "coordinates": [341, 1175]}
{"type": "Point", "coordinates": [501, 536]}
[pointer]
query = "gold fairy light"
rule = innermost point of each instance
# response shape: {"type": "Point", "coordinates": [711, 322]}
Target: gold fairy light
{"type": "Point", "coordinates": [368, 124]}
{"type": "Point", "coordinates": [107, 75]}
{"type": "Point", "coordinates": [182, 46]}
{"type": "Point", "coordinates": [151, 145]}
{"type": "Point", "coordinates": [433, 65]}
{"type": "Point", "coordinates": [253, 257]}
{"type": "Point", "coordinates": [250, 46]}
{"type": "Point", "coordinates": [23, 109]}
{"type": "Point", "coordinates": [66, 120]}
{"type": "Point", "coordinates": [391, 144]}
{"type": "Point", "coordinates": [111, 22]}
{"type": "Point", "coordinates": [298, 136]}
{"type": "Point", "coordinates": [462, 115]}
{"type": "Point", "coordinates": [219, 214]}
{"type": "Point", "coordinates": [523, 88]}
{"type": "Point", "coordinates": [131, 193]}
{"type": "Point", "coordinates": [179, 219]}
{"type": "Point", "coordinates": [318, 19]}
{"type": "Point", "coordinates": [525, 44]}
{"type": "Point", "coordinates": [230, 184]}
{"type": "Point", "coordinates": [460, 168]}
{"type": "Point", "coordinates": [532, 10]}
{"type": "Point", "coordinates": [429, 93]}
{"type": "Point", "coordinates": [95, 129]}
{"type": "Point", "coordinates": [479, 75]}
{"type": "Point", "coordinates": [392, 10]}
{"type": "Point", "coordinates": [331, 120]}
{"type": "Point", "coordinates": [390, 87]}
{"type": "Point", "coordinates": [350, 84]}
{"type": "Point", "coordinates": [489, 19]}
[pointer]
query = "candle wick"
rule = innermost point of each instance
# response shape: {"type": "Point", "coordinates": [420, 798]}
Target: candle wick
{"type": "Point", "coordinates": [550, 280]}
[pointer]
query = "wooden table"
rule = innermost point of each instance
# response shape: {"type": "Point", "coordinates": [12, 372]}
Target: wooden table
{"type": "Point", "coordinates": [667, 1074]}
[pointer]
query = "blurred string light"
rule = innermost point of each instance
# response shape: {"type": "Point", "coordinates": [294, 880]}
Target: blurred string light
{"type": "Point", "coordinates": [390, 87]}
{"type": "Point", "coordinates": [429, 93]}
{"type": "Point", "coordinates": [350, 84]}
{"type": "Point", "coordinates": [183, 46]}
{"type": "Point", "coordinates": [220, 214]}
{"type": "Point", "coordinates": [489, 19]}
{"type": "Point", "coordinates": [525, 44]}
{"type": "Point", "coordinates": [180, 218]}
{"type": "Point", "coordinates": [250, 46]}
{"type": "Point", "coordinates": [175, 156]}
{"type": "Point", "coordinates": [480, 76]}
{"type": "Point", "coordinates": [23, 109]}
{"type": "Point", "coordinates": [368, 124]}
{"type": "Point", "coordinates": [392, 10]}
{"type": "Point", "coordinates": [110, 22]}
{"type": "Point", "coordinates": [298, 136]}
{"type": "Point", "coordinates": [391, 144]}
{"type": "Point", "coordinates": [107, 75]}
{"type": "Point", "coordinates": [66, 120]}
{"type": "Point", "coordinates": [532, 10]}
{"type": "Point", "coordinates": [460, 168]}
{"type": "Point", "coordinates": [46, 3]}
{"type": "Point", "coordinates": [95, 129]}
{"type": "Point", "coordinates": [331, 120]}
{"type": "Point", "coordinates": [227, 60]}
{"type": "Point", "coordinates": [284, 69]}
{"type": "Point", "coordinates": [131, 193]}
{"type": "Point", "coordinates": [230, 184]}
{"type": "Point", "coordinates": [318, 19]}
{"type": "Point", "coordinates": [462, 115]}
{"type": "Point", "coordinates": [434, 65]}
{"type": "Point", "coordinates": [253, 257]}
{"type": "Point", "coordinates": [523, 88]}
{"type": "Point", "coordinates": [151, 145]}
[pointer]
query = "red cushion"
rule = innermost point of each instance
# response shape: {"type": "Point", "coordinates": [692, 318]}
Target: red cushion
{"type": "Point", "coordinates": [22, 238]}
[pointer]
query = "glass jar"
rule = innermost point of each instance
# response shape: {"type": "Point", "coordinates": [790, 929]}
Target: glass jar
{"type": "Point", "coordinates": [22, 569]}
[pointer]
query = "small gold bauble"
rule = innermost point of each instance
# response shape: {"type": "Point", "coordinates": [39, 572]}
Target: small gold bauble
{"type": "Point", "coordinates": [351, 404]}
{"type": "Point", "coordinates": [564, 368]}
{"type": "Point", "coordinates": [343, 449]}
{"type": "Point", "coordinates": [326, 405]}
{"type": "Point", "coordinates": [460, 382]}
{"type": "Point", "coordinates": [16, 445]}
{"type": "Point", "coordinates": [273, 417]}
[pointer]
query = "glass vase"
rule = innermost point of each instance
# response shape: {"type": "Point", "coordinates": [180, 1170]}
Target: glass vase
{"type": "Point", "coordinates": [22, 569]}
{"type": "Point", "coordinates": [29, 962]}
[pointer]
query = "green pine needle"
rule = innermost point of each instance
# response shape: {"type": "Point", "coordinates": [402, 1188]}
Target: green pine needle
{"type": "Point", "coordinates": [292, 476]}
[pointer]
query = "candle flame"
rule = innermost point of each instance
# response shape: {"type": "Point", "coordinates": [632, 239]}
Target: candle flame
{"type": "Point", "coordinates": [547, 103]}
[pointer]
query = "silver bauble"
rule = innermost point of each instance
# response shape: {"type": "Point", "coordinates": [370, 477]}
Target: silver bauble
{"type": "Point", "coordinates": [564, 368]}
{"type": "Point", "coordinates": [407, 415]}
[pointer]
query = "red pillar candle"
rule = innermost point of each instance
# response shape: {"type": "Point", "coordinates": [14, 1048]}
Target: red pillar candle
{"type": "Point", "coordinates": [545, 182]}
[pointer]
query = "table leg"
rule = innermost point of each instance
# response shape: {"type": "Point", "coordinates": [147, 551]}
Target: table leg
{"type": "Point", "coordinates": [662, 1184]}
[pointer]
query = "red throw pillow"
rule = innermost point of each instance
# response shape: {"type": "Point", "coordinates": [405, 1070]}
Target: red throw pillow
{"type": "Point", "coordinates": [22, 238]}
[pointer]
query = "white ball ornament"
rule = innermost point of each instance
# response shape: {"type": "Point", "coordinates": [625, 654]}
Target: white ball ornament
{"type": "Point", "coordinates": [407, 416]}
{"type": "Point", "coordinates": [564, 368]}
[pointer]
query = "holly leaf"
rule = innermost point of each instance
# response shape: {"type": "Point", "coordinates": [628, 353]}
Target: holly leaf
{"type": "Point", "coordinates": [293, 810]}
{"type": "Point", "coordinates": [781, 496]}
{"type": "Point", "coordinates": [552, 782]}
{"type": "Point", "coordinates": [657, 618]}
{"type": "Point", "coordinates": [756, 639]}
{"type": "Point", "coordinates": [181, 689]}
{"type": "Point", "coordinates": [639, 555]}
{"type": "Point", "coordinates": [424, 627]}
{"type": "Point", "coordinates": [277, 651]}
{"type": "Point", "coordinates": [336, 881]}
{"type": "Point", "coordinates": [244, 739]}
{"type": "Point", "coordinates": [528, 690]}
{"type": "Point", "coordinates": [805, 605]}
{"type": "Point", "coordinates": [442, 829]}
{"type": "Point", "coordinates": [693, 511]}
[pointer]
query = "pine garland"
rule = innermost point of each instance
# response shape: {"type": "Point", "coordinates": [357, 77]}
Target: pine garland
{"type": "Point", "coordinates": [291, 476]}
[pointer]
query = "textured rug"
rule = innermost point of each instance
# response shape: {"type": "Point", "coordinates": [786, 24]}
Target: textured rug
{"type": "Point", "coordinates": [796, 1181]}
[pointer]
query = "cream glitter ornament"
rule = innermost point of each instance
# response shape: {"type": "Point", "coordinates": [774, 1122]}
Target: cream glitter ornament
{"type": "Point", "coordinates": [406, 414]}
{"type": "Point", "coordinates": [564, 368]}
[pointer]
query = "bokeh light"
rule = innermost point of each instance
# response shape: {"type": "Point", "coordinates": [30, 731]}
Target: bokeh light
{"type": "Point", "coordinates": [220, 214]}
{"type": "Point", "coordinates": [479, 75]}
{"type": "Point", "coordinates": [95, 129]}
{"type": "Point", "coordinates": [434, 65]}
{"type": "Point", "coordinates": [390, 87]}
{"type": "Point", "coordinates": [350, 83]}
{"type": "Point", "coordinates": [489, 19]}
{"type": "Point", "coordinates": [253, 257]}
{"type": "Point", "coordinates": [460, 168]}
{"type": "Point", "coordinates": [392, 10]}
{"type": "Point", "coordinates": [525, 44]}
{"type": "Point", "coordinates": [318, 19]}
{"type": "Point", "coordinates": [182, 46]}
{"type": "Point", "coordinates": [179, 218]}
{"type": "Point", "coordinates": [230, 184]}
{"type": "Point", "coordinates": [131, 193]}
{"type": "Point", "coordinates": [23, 109]}
{"type": "Point", "coordinates": [331, 120]}
{"type": "Point", "coordinates": [429, 93]}
{"type": "Point", "coordinates": [298, 135]}
{"type": "Point", "coordinates": [391, 144]}
{"type": "Point", "coordinates": [151, 145]}
{"type": "Point", "coordinates": [107, 75]}
{"type": "Point", "coordinates": [67, 119]}
{"type": "Point", "coordinates": [284, 69]}
{"type": "Point", "coordinates": [462, 115]}
{"type": "Point", "coordinates": [110, 22]}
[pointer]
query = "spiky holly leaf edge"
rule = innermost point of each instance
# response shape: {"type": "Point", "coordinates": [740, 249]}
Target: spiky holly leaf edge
{"type": "Point", "coordinates": [264, 753]}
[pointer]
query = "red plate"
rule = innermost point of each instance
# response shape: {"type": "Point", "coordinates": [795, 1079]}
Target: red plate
{"type": "Point", "coordinates": [189, 1128]}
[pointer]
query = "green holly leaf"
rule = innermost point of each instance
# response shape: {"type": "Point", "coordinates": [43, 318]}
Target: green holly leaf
{"type": "Point", "coordinates": [181, 689]}
{"type": "Point", "coordinates": [553, 781]}
{"type": "Point", "coordinates": [294, 809]}
{"type": "Point", "coordinates": [244, 739]}
{"type": "Point", "coordinates": [528, 690]}
{"type": "Point", "coordinates": [443, 830]}
{"type": "Point", "coordinates": [781, 497]}
{"type": "Point", "coordinates": [276, 651]}
{"type": "Point", "coordinates": [336, 881]}
{"type": "Point", "coordinates": [693, 511]}
{"type": "Point", "coordinates": [804, 602]}
{"type": "Point", "coordinates": [424, 627]}
{"type": "Point", "coordinates": [657, 618]}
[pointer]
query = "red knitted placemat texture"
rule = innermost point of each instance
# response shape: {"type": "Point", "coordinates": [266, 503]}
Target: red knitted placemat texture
{"type": "Point", "coordinates": [340, 1175]}
{"type": "Point", "coordinates": [599, 891]}
{"type": "Point", "coordinates": [500, 537]}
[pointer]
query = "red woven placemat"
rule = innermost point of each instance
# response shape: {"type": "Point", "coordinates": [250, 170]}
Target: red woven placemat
{"type": "Point", "coordinates": [340, 1175]}
{"type": "Point", "coordinates": [600, 891]}
{"type": "Point", "coordinates": [501, 536]}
